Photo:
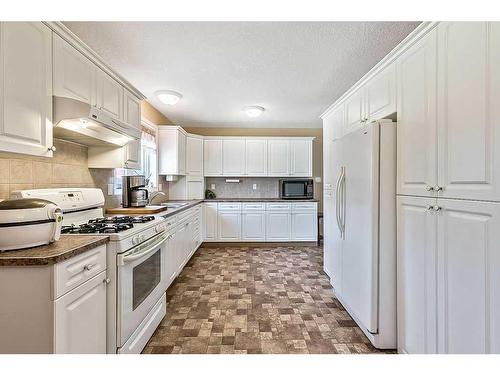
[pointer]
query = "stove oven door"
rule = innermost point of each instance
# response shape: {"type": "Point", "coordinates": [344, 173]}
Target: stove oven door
{"type": "Point", "coordinates": [141, 283]}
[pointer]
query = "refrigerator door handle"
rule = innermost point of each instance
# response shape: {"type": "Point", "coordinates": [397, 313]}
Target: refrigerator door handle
{"type": "Point", "coordinates": [337, 201]}
{"type": "Point", "coordinates": [342, 211]}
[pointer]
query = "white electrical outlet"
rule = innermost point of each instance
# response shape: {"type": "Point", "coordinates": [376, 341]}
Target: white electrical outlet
{"type": "Point", "coordinates": [212, 186]}
{"type": "Point", "coordinates": [317, 180]}
{"type": "Point", "coordinates": [254, 186]}
{"type": "Point", "coordinates": [110, 189]}
{"type": "Point", "coordinates": [160, 187]}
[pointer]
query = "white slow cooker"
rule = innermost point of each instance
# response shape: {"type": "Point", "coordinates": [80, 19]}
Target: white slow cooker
{"type": "Point", "coordinates": [28, 222]}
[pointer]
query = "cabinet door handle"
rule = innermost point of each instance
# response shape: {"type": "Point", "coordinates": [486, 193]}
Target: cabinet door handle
{"type": "Point", "coordinates": [52, 148]}
{"type": "Point", "coordinates": [438, 188]}
{"type": "Point", "coordinates": [106, 280]}
{"type": "Point", "coordinates": [429, 188]}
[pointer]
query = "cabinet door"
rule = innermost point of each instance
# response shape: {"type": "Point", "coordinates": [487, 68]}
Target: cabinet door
{"type": "Point", "coordinates": [233, 157]}
{"type": "Point", "coordinates": [170, 259]}
{"type": "Point", "coordinates": [229, 224]}
{"type": "Point", "coordinates": [304, 226]}
{"type": "Point", "coordinates": [354, 111]}
{"type": "Point", "coordinates": [256, 157]}
{"type": "Point", "coordinates": [180, 247]}
{"type": "Point", "coordinates": [469, 277]}
{"type": "Point", "coordinates": [73, 73]}
{"type": "Point", "coordinates": [80, 319]}
{"type": "Point", "coordinates": [131, 109]}
{"type": "Point", "coordinates": [417, 256]}
{"type": "Point", "coordinates": [181, 147]}
{"type": "Point", "coordinates": [26, 88]}
{"type": "Point", "coordinates": [301, 158]}
{"type": "Point", "coordinates": [194, 187]}
{"type": "Point", "coordinates": [417, 118]}
{"type": "Point", "coordinates": [278, 151]}
{"type": "Point", "coordinates": [380, 94]}
{"type": "Point", "coordinates": [132, 151]}
{"type": "Point", "coordinates": [109, 95]}
{"type": "Point", "coordinates": [468, 110]}
{"type": "Point", "coordinates": [194, 156]}
{"type": "Point", "coordinates": [278, 226]}
{"type": "Point", "coordinates": [210, 221]}
{"type": "Point", "coordinates": [212, 157]}
{"type": "Point", "coordinates": [254, 226]}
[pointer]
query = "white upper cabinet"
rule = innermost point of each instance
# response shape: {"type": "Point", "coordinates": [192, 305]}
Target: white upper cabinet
{"type": "Point", "coordinates": [109, 97]}
{"type": "Point", "coordinates": [469, 110]}
{"type": "Point", "coordinates": [131, 109]}
{"type": "Point", "coordinates": [256, 157]}
{"type": "Point", "coordinates": [354, 111]}
{"type": "Point", "coordinates": [417, 118]}
{"type": "Point", "coordinates": [468, 277]}
{"type": "Point", "coordinates": [194, 156]}
{"type": "Point", "coordinates": [26, 88]}
{"type": "Point", "coordinates": [332, 128]}
{"type": "Point", "coordinates": [212, 157]}
{"type": "Point", "coordinates": [301, 158]}
{"type": "Point", "coordinates": [278, 153]}
{"type": "Point", "coordinates": [417, 270]}
{"type": "Point", "coordinates": [73, 73]}
{"type": "Point", "coordinates": [171, 151]}
{"type": "Point", "coordinates": [380, 93]}
{"type": "Point", "coordinates": [233, 157]}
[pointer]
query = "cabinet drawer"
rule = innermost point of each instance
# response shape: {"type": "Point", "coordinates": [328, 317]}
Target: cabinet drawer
{"type": "Point", "coordinates": [75, 271]}
{"type": "Point", "coordinates": [278, 206]}
{"type": "Point", "coordinates": [254, 206]}
{"type": "Point", "coordinates": [229, 206]}
{"type": "Point", "coordinates": [170, 222]}
{"type": "Point", "coordinates": [304, 206]}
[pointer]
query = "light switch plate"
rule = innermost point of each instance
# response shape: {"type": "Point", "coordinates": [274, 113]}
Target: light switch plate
{"type": "Point", "coordinates": [212, 186]}
{"type": "Point", "coordinates": [254, 186]}
{"type": "Point", "coordinates": [160, 187]}
{"type": "Point", "coordinates": [110, 189]}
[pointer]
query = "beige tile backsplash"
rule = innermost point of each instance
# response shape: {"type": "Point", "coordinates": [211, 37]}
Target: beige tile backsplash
{"type": "Point", "coordinates": [68, 168]}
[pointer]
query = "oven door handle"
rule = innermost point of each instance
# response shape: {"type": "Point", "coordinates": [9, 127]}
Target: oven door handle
{"type": "Point", "coordinates": [148, 248]}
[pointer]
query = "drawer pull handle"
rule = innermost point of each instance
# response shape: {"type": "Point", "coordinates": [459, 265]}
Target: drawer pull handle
{"type": "Point", "coordinates": [106, 280]}
{"type": "Point", "coordinates": [88, 267]}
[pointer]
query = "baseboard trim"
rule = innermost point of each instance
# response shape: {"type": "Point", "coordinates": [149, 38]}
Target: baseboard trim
{"type": "Point", "coordinates": [257, 244]}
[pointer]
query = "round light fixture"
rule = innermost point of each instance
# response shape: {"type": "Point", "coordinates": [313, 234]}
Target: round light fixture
{"type": "Point", "coordinates": [168, 96]}
{"type": "Point", "coordinates": [254, 110]}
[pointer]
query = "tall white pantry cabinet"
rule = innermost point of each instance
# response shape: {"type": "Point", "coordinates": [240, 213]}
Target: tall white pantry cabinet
{"type": "Point", "coordinates": [449, 190]}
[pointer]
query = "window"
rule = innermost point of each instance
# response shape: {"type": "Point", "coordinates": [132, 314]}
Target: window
{"type": "Point", "coordinates": [149, 155]}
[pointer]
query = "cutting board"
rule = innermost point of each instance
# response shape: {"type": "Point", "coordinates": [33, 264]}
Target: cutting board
{"type": "Point", "coordinates": [148, 210]}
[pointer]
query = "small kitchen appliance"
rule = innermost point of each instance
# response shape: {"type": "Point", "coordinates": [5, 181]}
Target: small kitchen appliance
{"type": "Point", "coordinates": [296, 189]}
{"type": "Point", "coordinates": [28, 222]}
{"type": "Point", "coordinates": [134, 192]}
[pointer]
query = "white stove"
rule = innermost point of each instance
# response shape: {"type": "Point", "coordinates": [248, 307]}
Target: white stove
{"type": "Point", "coordinates": [136, 254]}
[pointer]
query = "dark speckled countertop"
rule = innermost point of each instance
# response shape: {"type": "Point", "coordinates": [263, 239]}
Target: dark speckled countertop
{"type": "Point", "coordinates": [67, 247]}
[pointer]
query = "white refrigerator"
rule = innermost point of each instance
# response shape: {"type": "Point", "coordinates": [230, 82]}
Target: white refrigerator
{"type": "Point", "coordinates": [360, 235]}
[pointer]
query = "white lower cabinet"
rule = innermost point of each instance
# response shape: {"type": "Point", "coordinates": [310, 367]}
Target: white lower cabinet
{"type": "Point", "coordinates": [253, 226]}
{"type": "Point", "coordinates": [80, 318]}
{"type": "Point", "coordinates": [417, 253]}
{"type": "Point", "coordinates": [210, 221]}
{"type": "Point", "coordinates": [229, 223]}
{"type": "Point", "coordinates": [278, 226]}
{"type": "Point", "coordinates": [259, 221]}
{"type": "Point", "coordinates": [448, 270]}
{"type": "Point", "coordinates": [304, 226]}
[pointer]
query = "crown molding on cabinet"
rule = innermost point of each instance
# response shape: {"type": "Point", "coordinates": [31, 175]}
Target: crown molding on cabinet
{"type": "Point", "coordinates": [60, 29]}
{"type": "Point", "coordinates": [406, 43]}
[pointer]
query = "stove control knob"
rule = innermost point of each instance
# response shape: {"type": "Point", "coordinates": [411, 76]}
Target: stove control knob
{"type": "Point", "coordinates": [142, 237]}
{"type": "Point", "coordinates": [135, 240]}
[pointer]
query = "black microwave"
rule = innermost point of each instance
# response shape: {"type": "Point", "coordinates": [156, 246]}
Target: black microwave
{"type": "Point", "coordinates": [296, 189]}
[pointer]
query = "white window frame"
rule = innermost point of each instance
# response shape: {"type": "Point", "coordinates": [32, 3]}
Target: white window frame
{"type": "Point", "coordinates": [148, 124]}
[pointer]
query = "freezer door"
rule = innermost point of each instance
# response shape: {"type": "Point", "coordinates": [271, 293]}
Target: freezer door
{"type": "Point", "coordinates": [360, 221]}
{"type": "Point", "coordinates": [332, 234]}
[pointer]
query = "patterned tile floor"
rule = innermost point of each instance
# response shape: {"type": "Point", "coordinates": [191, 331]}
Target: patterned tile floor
{"type": "Point", "coordinates": [256, 300]}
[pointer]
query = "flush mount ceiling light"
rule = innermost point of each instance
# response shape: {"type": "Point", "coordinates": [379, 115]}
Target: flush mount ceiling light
{"type": "Point", "coordinates": [254, 110]}
{"type": "Point", "coordinates": [168, 96]}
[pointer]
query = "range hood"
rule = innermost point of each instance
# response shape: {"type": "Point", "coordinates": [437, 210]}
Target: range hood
{"type": "Point", "coordinates": [79, 122]}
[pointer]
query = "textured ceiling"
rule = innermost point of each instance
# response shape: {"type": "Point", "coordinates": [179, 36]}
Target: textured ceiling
{"type": "Point", "coordinates": [293, 69]}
